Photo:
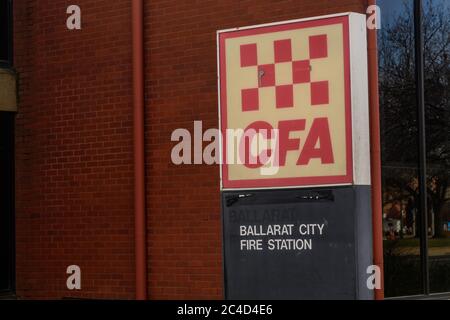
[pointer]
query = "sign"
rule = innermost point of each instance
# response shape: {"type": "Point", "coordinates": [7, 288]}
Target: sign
{"type": "Point", "coordinates": [297, 244]}
{"type": "Point", "coordinates": [293, 104]}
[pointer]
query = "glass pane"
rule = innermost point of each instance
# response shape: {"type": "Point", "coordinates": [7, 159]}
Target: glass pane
{"type": "Point", "coordinates": [3, 214]}
{"type": "Point", "coordinates": [4, 30]}
{"type": "Point", "coordinates": [399, 143]}
{"type": "Point", "coordinates": [6, 200]}
{"type": "Point", "coordinates": [437, 113]}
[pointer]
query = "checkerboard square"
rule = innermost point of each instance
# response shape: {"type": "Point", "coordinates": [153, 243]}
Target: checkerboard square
{"type": "Point", "coordinates": [250, 99]}
{"type": "Point", "coordinates": [318, 47]}
{"type": "Point", "coordinates": [284, 96]}
{"type": "Point", "coordinates": [301, 71]}
{"type": "Point", "coordinates": [283, 73]}
{"type": "Point", "coordinates": [266, 75]}
{"type": "Point", "coordinates": [249, 56]}
{"type": "Point", "coordinates": [319, 93]}
{"type": "Point", "coordinates": [283, 51]}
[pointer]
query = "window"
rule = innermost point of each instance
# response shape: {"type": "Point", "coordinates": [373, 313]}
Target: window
{"type": "Point", "coordinates": [6, 32]}
{"type": "Point", "coordinates": [7, 223]}
{"type": "Point", "coordinates": [415, 263]}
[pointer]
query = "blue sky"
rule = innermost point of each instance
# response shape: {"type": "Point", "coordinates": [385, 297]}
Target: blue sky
{"type": "Point", "coordinates": [390, 9]}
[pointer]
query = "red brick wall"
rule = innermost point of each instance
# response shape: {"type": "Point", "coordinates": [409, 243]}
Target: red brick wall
{"type": "Point", "coordinates": [74, 201]}
{"type": "Point", "coordinates": [74, 143]}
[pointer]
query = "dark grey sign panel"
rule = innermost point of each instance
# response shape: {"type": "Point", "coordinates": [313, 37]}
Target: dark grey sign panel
{"type": "Point", "coordinates": [297, 244]}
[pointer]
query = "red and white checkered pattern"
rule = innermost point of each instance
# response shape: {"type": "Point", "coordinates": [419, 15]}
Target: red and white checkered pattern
{"type": "Point", "coordinates": [301, 73]}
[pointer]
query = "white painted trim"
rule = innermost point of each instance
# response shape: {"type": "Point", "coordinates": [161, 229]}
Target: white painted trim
{"type": "Point", "coordinates": [219, 111]}
{"type": "Point", "coordinates": [359, 99]}
{"type": "Point", "coordinates": [286, 22]}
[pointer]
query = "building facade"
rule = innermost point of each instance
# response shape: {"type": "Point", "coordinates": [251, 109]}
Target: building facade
{"type": "Point", "coordinates": [68, 136]}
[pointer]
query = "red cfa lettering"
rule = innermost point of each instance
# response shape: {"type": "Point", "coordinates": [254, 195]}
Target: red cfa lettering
{"type": "Point", "coordinates": [317, 144]}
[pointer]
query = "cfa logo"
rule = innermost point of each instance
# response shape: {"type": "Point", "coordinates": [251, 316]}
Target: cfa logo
{"type": "Point", "coordinates": [292, 79]}
{"type": "Point", "coordinates": [284, 76]}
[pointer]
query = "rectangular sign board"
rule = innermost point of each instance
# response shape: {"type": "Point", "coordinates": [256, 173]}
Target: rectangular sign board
{"type": "Point", "coordinates": [293, 104]}
{"type": "Point", "coordinates": [295, 170]}
{"type": "Point", "coordinates": [297, 244]}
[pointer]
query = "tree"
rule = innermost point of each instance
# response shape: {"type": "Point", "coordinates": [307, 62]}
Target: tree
{"type": "Point", "coordinates": [399, 119]}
